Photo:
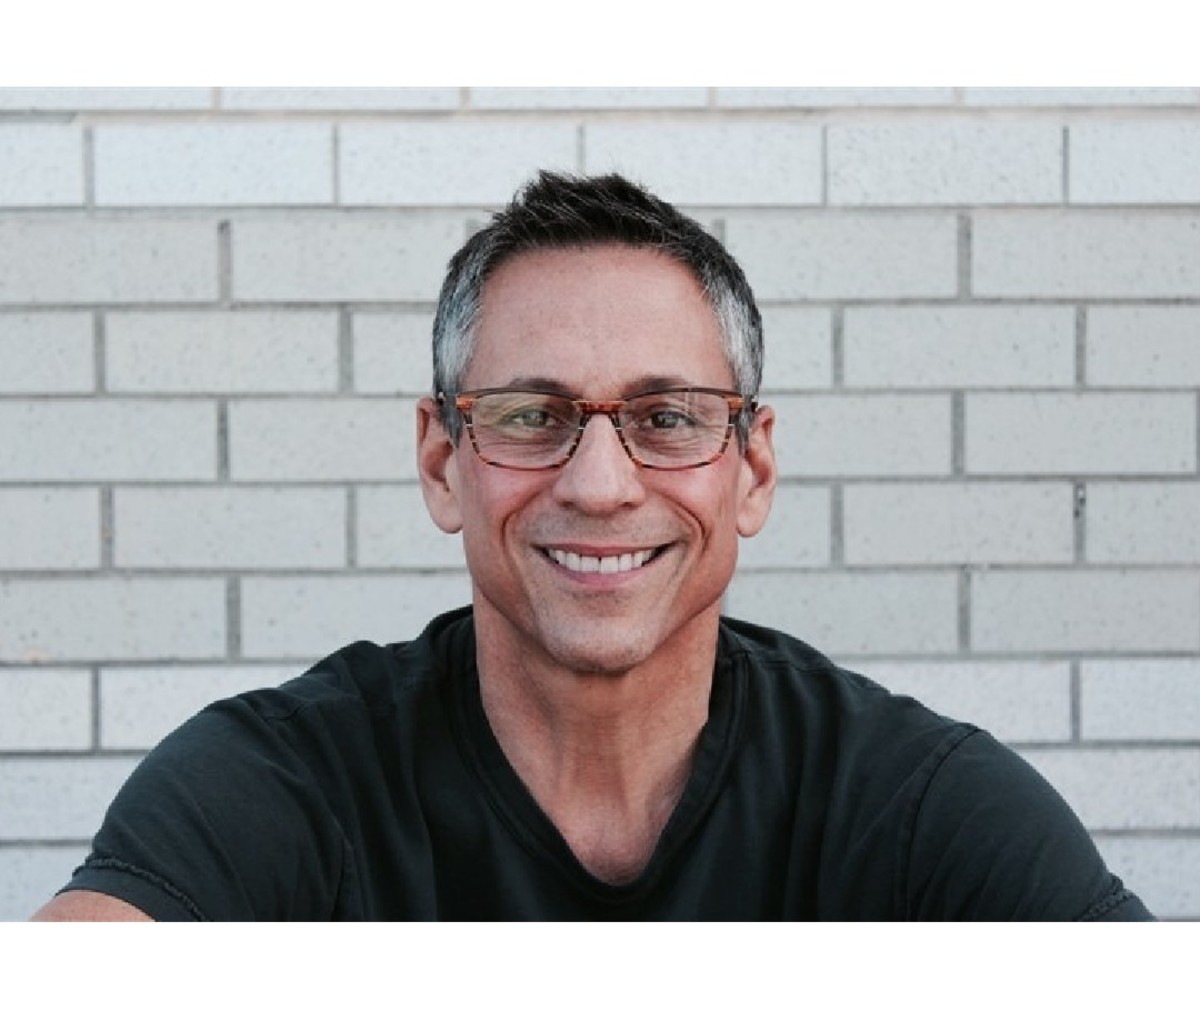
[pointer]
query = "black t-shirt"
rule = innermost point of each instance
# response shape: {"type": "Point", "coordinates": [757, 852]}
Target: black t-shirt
{"type": "Point", "coordinates": [372, 788]}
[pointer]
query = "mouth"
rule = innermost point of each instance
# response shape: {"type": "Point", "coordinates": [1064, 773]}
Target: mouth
{"type": "Point", "coordinates": [611, 564]}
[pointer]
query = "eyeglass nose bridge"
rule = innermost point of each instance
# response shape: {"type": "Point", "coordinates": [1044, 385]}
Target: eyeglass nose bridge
{"type": "Point", "coordinates": [610, 410]}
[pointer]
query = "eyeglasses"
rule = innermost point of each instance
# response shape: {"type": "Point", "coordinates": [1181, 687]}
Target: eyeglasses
{"type": "Point", "coordinates": [680, 428]}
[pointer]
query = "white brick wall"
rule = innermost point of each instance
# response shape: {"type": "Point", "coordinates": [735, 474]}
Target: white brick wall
{"type": "Point", "coordinates": [214, 165]}
{"type": "Point", "coordinates": [982, 311]}
{"type": "Point", "coordinates": [953, 346]}
{"type": "Point", "coordinates": [806, 257]}
{"type": "Point", "coordinates": [1143, 346]}
{"type": "Point", "coordinates": [222, 352]}
{"type": "Point", "coordinates": [47, 353]}
{"type": "Point", "coordinates": [41, 165]}
{"type": "Point", "coordinates": [748, 163]}
{"type": "Point", "coordinates": [84, 262]}
{"type": "Point", "coordinates": [945, 163]}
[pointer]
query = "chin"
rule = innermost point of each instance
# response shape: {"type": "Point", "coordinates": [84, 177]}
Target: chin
{"type": "Point", "coordinates": [603, 654]}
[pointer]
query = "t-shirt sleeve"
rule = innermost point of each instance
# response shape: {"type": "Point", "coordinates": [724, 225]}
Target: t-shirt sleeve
{"type": "Point", "coordinates": [992, 840]}
{"type": "Point", "coordinates": [221, 821]}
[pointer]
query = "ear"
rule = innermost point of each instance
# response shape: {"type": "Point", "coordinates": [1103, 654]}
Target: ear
{"type": "Point", "coordinates": [758, 474]}
{"type": "Point", "coordinates": [438, 467]}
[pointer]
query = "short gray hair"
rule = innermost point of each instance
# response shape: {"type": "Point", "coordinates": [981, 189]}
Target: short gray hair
{"type": "Point", "coordinates": [560, 211]}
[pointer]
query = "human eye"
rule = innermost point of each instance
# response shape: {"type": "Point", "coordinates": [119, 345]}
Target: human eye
{"type": "Point", "coordinates": [524, 414]}
{"type": "Point", "coordinates": [668, 412]}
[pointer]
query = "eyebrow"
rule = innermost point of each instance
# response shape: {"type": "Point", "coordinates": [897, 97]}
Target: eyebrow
{"type": "Point", "coordinates": [638, 386]}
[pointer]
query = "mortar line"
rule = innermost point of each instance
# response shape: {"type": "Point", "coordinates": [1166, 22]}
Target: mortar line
{"type": "Point", "coordinates": [100, 352]}
{"type": "Point", "coordinates": [94, 682]}
{"type": "Point", "coordinates": [964, 610]}
{"type": "Point", "coordinates": [107, 527]}
{"type": "Point", "coordinates": [1079, 521]}
{"type": "Point", "coordinates": [345, 351]}
{"type": "Point", "coordinates": [225, 263]}
{"type": "Point", "coordinates": [351, 526]}
{"type": "Point", "coordinates": [837, 525]}
{"type": "Point", "coordinates": [223, 458]}
{"type": "Point", "coordinates": [233, 618]}
{"type": "Point", "coordinates": [1081, 330]}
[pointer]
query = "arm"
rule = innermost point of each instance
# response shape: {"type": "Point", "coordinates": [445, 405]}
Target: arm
{"type": "Point", "coordinates": [88, 907]}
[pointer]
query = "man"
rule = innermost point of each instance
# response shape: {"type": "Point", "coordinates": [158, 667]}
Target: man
{"type": "Point", "coordinates": [590, 740]}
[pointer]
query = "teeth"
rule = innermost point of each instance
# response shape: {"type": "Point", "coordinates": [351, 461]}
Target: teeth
{"type": "Point", "coordinates": [600, 565]}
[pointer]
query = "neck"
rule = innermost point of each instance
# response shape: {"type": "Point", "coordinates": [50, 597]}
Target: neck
{"type": "Point", "coordinates": [606, 757]}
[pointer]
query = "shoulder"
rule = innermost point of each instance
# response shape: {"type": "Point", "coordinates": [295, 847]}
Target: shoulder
{"type": "Point", "coordinates": [836, 713]}
{"type": "Point", "coordinates": [363, 681]}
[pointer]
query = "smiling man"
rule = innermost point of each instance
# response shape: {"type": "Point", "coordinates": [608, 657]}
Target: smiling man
{"type": "Point", "coordinates": [590, 739]}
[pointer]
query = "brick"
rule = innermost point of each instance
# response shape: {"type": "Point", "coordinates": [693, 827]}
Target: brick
{"type": "Point", "coordinates": [1125, 788]}
{"type": "Point", "coordinates": [340, 99]}
{"type": "Point", "coordinates": [214, 164]}
{"type": "Point", "coordinates": [849, 614]}
{"type": "Point", "coordinates": [139, 706]}
{"type": "Point", "coordinates": [82, 262]}
{"type": "Point", "coordinates": [797, 533]}
{"type": "Point", "coordinates": [47, 353]}
{"type": "Point", "coordinates": [817, 98]}
{"type": "Point", "coordinates": [452, 164]}
{"type": "Point", "coordinates": [1143, 523]}
{"type": "Point", "coordinates": [958, 523]}
{"type": "Point", "coordinates": [818, 256]}
{"type": "Point", "coordinates": [712, 163]}
{"type": "Point", "coordinates": [798, 346]}
{"type": "Point", "coordinates": [1140, 700]}
{"type": "Point", "coordinates": [393, 352]}
{"type": "Point", "coordinates": [45, 709]}
{"type": "Point", "coordinates": [1080, 433]}
{"type": "Point", "coordinates": [315, 440]}
{"type": "Point", "coordinates": [959, 346]}
{"type": "Point", "coordinates": [395, 531]}
{"type": "Point", "coordinates": [1161, 869]}
{"type": "Point", "coordinates": [109, 618]}
{"type": "Point", "coordinates": [380, 258]}
{"type": "Point", "coordinates": [848, 435]}
{"type": "Point", "coordinates": [1017, 702]}
{"type": "Point", "coordinates": [1135, 162]}
{"type": "Point", "coordinates": [41, 165]}
{"type": "Point", "coordinates": [949, 162]}
{"type": "Point", "coordinates": [63, 798]}
{"type": "Point", "coordinates": [311, 617]}
{"type": "Point", "coordinates": [29, 877]}
{"type": "Point", "coordinates": [222, 352]}
{"type": "Point", "coordinates": [586, 99]}
{"type": "Point", "coordinates": [79, 441]}
{"type": "Point", "coordinates": [1143, 346]}
{"type": "Point", "coordinates": [1078, 254]}
{"type": "Point", "coordinates": [49, 529]}
{"type": "Point", "coordinates": [229, 527]}
{"type": "Point", "coordinates": [166, 99]}
{"type": "Point", "coordinates": [1085, 611]}
{"type": "Point", "coordinates": [1077, 97]}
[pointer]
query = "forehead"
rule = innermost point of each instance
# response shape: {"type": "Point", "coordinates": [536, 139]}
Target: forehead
{"type": "Point", "coordinates": [600, 313]}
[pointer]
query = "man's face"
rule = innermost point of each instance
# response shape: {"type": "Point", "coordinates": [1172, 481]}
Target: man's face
{"type": "Point", "coordinates": [599, 322]}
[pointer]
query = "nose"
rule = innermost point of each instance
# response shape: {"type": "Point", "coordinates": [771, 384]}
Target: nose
{"type": "Point", "coordinates": [600, 477]}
